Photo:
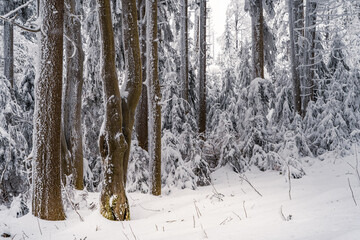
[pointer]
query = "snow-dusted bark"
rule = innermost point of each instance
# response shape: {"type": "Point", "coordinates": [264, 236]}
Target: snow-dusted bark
{"type": "Point", "coordinates": [295, 27]}
{"type": "Point", "coordinates": [47, 202]}
{"type": "Point", "coordinates": [9, 47]}
{"type": "Point", "coordinates": [257, 22]}
{"type": "Point", "coordinates": [73, 83]}
{"type": "Point", "coordinates": [154, 96]}
{"type": "Point", "coordinates": [184, 50]}
{"type": "Point", "coordinates": [202, 69]}
{"type": "Point", "coordinates": [141, 121]}
{"type": "Point", "coordinates": [115, 135]}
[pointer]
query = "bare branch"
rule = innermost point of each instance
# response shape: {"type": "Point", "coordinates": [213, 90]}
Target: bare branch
{"type": "Point", "coordinates": [34, 30]}
{"type": "Point", "coordinates": [16, 9]}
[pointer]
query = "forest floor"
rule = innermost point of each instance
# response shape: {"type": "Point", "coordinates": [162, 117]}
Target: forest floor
{"type": "Point", "coordinates": [321, 208]}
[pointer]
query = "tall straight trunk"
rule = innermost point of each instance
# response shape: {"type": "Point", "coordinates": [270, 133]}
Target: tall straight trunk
{"type": "Point", "coordinates": [47, 202]}
{"type": "Point", "coordinates": [154, 96]}
{"type": "Point", "coordinates": [257, 22]}
{"type": "Point", "coordinates": [197, 29]}
{"type": "Point", "coordinates": [294, 53]}
{"type": "Point", "coordinates": [202, 69]}
{"type": "Point", "coordinates": [184, 71]}
{"type": "Point", "coordinates": [309, 53]}
{"type": "Point", "coordinates": [9, 47]}
{"type": "Point", "coordinates": [115, 137]}
{"type": "Point", "coordinates": [74, 59]}
{"type": "Point", "coordinates": [141, 121]}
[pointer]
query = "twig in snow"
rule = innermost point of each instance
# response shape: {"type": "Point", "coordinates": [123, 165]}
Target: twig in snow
{"type": "Point", "coordinates": [147, 209]}
{"type": "Point", "coordinates": [157, 229]}
{"type": "Point", "coordinates": [251, 185]}
{"type": "Point", "coordinates": [39, 225]}
{"type": "Point", "coordinates": [25, 234]}
{"type": "Point", "coordinates": [71, 203]}
{"type": "Point", "coordinates": [352, 193]}
{"type": "Point", "coordinates": [237, 215]}
{"type": "Point", "coordinates": [163, 229]}
{"type": "Point", "coordinates": [2, 175]}
{"type": "Point", "coordinates": [197, 209]}
{"type": "Point", "coordinates": [132, 232]}
{"type": "Point", "coordinates": [245, 209]}
{"type": "Point", "coordinates": [206, 236]}
{"type": "Point", "coordinates": [171, 221]}
{"type": "Point", "coordinates": [357, 164]}
{"type": "Point", "coordinates": [228, 219]}
{"type": "Point", "coordinates": [288, 218]}
{"type": "Point", "coordinates": [13, 237]}
{"type": "Point", "coordinates": [126, 235]}
{"type": "Point", "coordinates": [289, 181]}
{"type": "Point", "coordinates": [194, 220]}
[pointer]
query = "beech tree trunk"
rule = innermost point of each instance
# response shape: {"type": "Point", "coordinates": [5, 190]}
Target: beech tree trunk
{"type": "Point", "coordinates": [154, 96]}
{"type": "Point", "coordinates": [9, 47]}
{"type": "Point", "coordinates": [141, 122]}
{"type": "Point", "coordinates": [202, 69]}
{"type": "Point", "coordinates": [257, 22]}
{"type": "Point", "coordinates": [295, 52]}
{"type": "Point", "coordinates": [184, 71]}
{"type": "Point", "coordinates": [115, 136]}
{"type": "Point", "coordinates": [47, 202]}
{"type": "Point", "coordinates": [74, 59]}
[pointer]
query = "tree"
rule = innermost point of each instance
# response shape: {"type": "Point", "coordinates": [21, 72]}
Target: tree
{"type": "Point", "coordinates": [115, 136]}
{"type": "Point", "coordinates": [184, 45]}
{"type": "Point", "coordinates": [9, 46]}
{"type": "Point", "coordinates": [154, 96]}
{"type": "Point", "coordinates": [47, 202]}
{"type": "Point", "coordinates": [295, 26]}
{"type": "Point", "coordinates": [202, 69]}
{"type": "Point", "coordinates": [73, 83]}
{"type": "Point", "coordinates": [141, 122]}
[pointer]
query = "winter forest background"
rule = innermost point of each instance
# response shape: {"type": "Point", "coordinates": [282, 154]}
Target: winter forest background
{"type": "Point", "coordinates": [282, 94]}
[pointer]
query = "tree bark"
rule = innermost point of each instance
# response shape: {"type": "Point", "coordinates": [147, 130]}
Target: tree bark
{"type": "Point", "coordinates": [115, 137]}
{"type": "Point", "coordinates": [202, 69]}
{"type": "Point", "coordinates": [184, 71]}
{"type": "Point", "coordinates": [47, 202]}
{"type": "Point", "coordinates": [257, 22]}
{"type": "Point", "coordinates": [141, 122]}
{"type": "Point", "coordinates": [294, 52]}
{"type": "Point", "coordinates": [9, 47]}
{"type": "Point", "coordinates": [73, 82]}
{"type": "Point", "coordinates": [309, 53]}
{"type": "Point", "coordinates": [154, 96]}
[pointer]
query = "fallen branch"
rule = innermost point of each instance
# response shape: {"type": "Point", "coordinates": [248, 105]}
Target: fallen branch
{"type": "Point", "coordinates": [197, 209]}
{"type": "Point", "coordinates": [289, 177]}
{"type": "Point", "coordinates": [132, 232]}
{"type": "Point", "coordinates": [245, 209]}
{"type": "Point", "coordinates": [147, 209]}
{"type": "Point", "coordinates": [251, 185]}
{"type": "Point", "coordinates": [237, 215]}
{"type": "Point", "coordinates": [352, 193]}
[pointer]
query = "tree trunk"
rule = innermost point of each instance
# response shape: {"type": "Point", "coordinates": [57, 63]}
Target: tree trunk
{"type": "Point", "coordinates": [154, 96]}
{"type": "Point", "coordinates": [294, 53]}
{"type": "Point", "coordinates": [141, 122]}
{"type": "Point", "coordinates": [115, 136]}
{"type": "Point", "coordinates": [47, 202]}
{"type": "Point", "coordinates": [309, 53]}
{"type": "Point", "coordinates": [184, 71]}
{"type": "Point", "coordinates": [9, 47]}
{"type": "Point", "coordinates": [257, 22]}
{"type": "Point", "coordinates": [202, 69]}
{"type": "Point", "coordinates": [74, 59]}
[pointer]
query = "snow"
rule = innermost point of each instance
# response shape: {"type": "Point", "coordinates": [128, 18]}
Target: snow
{"type": "Point", "coordinates": [321, 208]}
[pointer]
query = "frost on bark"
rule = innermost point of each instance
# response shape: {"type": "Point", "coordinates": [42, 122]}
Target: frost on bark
{"type": "Point", "coordinates": [184, 70]}
{"type": "Point", "coordinates": [141, 121]}
{"type": "Point", "coordinates": [202, 69]}
{"type": "Point", "coordinates": [154, 96]}
{"type": "Point", "coordinates": [115, 136]}
{"type": "Point", "coordinates": [47, 202]}
{"type": "Point", "coordinates": [73, 83]}
{"type": "Point", "coordinates": [257, 22]}
{"type": "Point", "coordinates": [9, 47]}
{"type": "Point", "coordinates": [295, 28]}
{"type": "Point", "coordinates": [309, 53]}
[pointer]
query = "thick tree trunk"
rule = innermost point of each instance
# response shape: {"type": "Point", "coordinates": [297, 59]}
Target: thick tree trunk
{"type": "Point", "coordinates": [115, 137]}
{"type": "Point", "coordinates": [294, 54]}
{"type": "Point", "coordinates": [47, 202]}
{"type": "Point", "coordinates": [202, 69]}
{"type": "Point", "coordinates": [141, 122]}
{"type": "Point", "coordinates": [309, 53]}
{"type": "Point", "coordinates": [74, 59]}
{"type": "Point", "coordinates": [257, 22]}
{"type": "Point", "coordinates": [154, 96]}
{"type": "Point", "coordinates": [9, 47]}
{"type": "Point", "coordinates": [184, 71]}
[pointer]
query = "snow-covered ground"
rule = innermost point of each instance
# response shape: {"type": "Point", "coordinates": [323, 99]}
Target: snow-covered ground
{"type": "Point", "coordinates": [321, 208]}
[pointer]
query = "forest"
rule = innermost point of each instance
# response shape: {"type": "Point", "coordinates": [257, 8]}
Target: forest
{"type": "Point", "coordinates": [108, 106]}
